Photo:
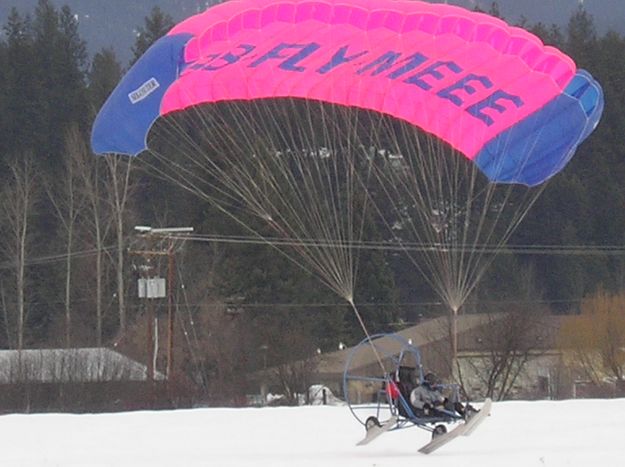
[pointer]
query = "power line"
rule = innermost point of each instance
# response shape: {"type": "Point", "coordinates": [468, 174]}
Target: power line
{"type": "Point", "coordinates": [536, 250]}
{"type": "Point", "coordinates": [425, 303]}
{"type": "Point", "coordinates": [555, 250]}
{"type": "Point", "coordinates": [58, 257]}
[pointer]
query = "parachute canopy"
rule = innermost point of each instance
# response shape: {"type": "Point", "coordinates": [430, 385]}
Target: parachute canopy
{"type": "Point", "coordinates": [330, 128]}
{"type": "Point", "coordinates": [493, 92]}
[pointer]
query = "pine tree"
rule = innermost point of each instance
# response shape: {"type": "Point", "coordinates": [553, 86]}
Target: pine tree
{"type": "Point", "coordinates": [4, 84]}
{"type": "Point", "coordinates": [22, 85]}
{"type": "Point", "coordinates": [550, 35]}
{"type": "Point", "coordinates": [493, 10]}
{"type": "Point", "coordinates": [156, 25]}
{"type": "Point", "coordinates": [104, 75]}
{"type": "Point", "coordinates": [59, 58]}
{"type": "Point", "coordinates": [581, 37]}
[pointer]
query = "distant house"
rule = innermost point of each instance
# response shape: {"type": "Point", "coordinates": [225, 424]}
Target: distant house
{"type": "Point", "coordinates": [432, 338]}
{"type": "Point", "coordinates": [77, 380]}
{"type": "Point", "coordinates": [83, 365]}
{"type": "Point", "coordinates": [544, 373]}
{"type": "Point", "coordinates": [538, 369]}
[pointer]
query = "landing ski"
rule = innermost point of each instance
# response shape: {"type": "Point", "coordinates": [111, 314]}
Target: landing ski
{"type": "Point", "coordinates": [443, 439]}
{"type": "Point", "coordinates": [465, 429]}
{"type": "Point", "coordinates": [474, 421]}
{"type": "Point", "coordinates": [375, 431]}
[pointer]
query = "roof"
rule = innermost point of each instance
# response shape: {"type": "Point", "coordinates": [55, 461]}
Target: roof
{"type": "Point", "coordinates": [425, 333]}
{"type": "Point", "coordinates": [69, 365]}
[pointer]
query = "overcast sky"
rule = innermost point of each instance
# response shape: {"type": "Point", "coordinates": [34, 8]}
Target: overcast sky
{"type": "Point", "coordinates": [105, 23]}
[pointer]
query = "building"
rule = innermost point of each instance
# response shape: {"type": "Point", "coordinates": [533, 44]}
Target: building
{"type": "Point", "coordinates": [76, 380]}
{"type": "Point", "coordinates": [501, 355]}
{"type": "Point", "coordinates": [82, 365]}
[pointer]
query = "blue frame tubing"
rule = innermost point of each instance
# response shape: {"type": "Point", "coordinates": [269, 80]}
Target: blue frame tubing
{"type": "Point", "coordinates": [384, 401]}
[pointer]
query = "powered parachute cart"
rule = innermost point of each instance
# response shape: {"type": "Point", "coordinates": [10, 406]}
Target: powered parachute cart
{"type": "Point", "coordinates": [381, 372]}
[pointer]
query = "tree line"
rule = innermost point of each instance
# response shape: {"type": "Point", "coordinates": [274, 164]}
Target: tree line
{"type": "Point", "coordinates": [67, 278]}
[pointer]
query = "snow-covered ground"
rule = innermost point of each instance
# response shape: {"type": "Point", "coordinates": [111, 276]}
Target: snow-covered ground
{"type": "Point", "coordinates": [569, 433]}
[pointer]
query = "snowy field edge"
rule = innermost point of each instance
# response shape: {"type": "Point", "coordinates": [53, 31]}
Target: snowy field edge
{"type": "Point", "coordinates": [518, 433]}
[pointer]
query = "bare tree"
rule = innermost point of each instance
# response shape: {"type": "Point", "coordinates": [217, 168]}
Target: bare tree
{"type": "Point", "coordinates": [98, 220]}
{"type": "Point", "coordinates": [68, 201]}
{"type": "Point", "coordinates": [596, 338]}
{"type": "Point", "coordinates": [18, 202]}
{"type": "Point", "coordinates": [507, 341]}
{"type": "Point", "coordinates": [512, 335]}
{"type": "Point", "coordinates": [295, 378]}
{"type": "Point", "coordinates": [292, 354]}
{"type": "Point", "coordinates": [120, 189]}
{"type": "Point", "coordinates": [216, 351]}
{"type": "Point", "coordinates": [5, 315]}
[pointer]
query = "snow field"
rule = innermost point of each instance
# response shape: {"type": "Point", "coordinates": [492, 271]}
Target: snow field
{"type": "Point", "coordinates": [523, 434]}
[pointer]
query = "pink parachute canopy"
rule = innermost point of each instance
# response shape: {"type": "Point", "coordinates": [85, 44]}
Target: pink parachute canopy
{"type": "Point", "coordinates": [466, 77]}
{"type": "Point", "coordinates": [427, 64]}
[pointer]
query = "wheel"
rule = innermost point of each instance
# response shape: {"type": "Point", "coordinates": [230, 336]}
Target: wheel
{"type": "Point", "coordinates": [371, 422]}
{"type": "Point", "coordinates": [439, 430]}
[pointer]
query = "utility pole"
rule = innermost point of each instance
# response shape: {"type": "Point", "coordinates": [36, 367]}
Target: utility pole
{"type": "Point", "coordinates": [170, 309]}
{"type": "Point", "coordinates": [153, 287]}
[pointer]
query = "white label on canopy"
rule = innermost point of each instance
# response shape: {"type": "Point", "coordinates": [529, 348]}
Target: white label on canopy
{"type": "Point", "coordinates": [144, 90]}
